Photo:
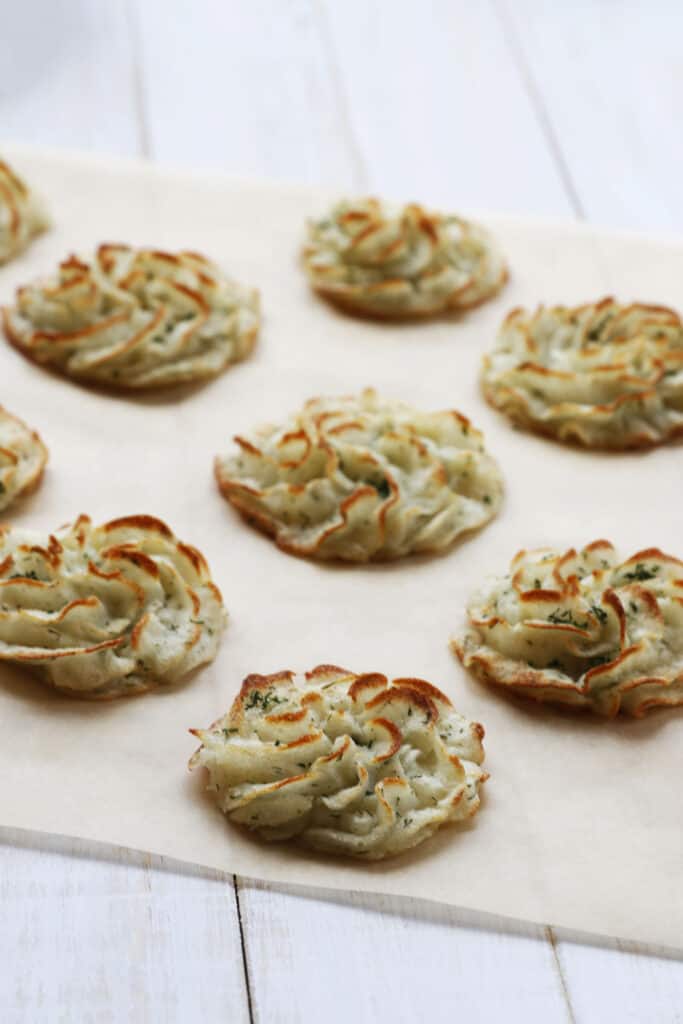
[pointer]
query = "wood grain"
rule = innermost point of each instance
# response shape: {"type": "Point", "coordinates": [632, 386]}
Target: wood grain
{"type": "Point", "coordinates": [67, 75]}
{"type": "Point", "coordinates": [246, 87]}
{"type": "Point", "coordinates": [438, 108]}
{"type": "Point", "coordinates": [97, 933]}
{"type": "Point", "coordinates": [617, 981]}
{"type": "Point", "coordinates": [368, 958]}
{"type": "Point", "coordinates": [608, 79]}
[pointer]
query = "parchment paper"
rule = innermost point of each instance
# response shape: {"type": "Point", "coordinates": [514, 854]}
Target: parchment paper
{"type": "Point", "coordinates": [582, 820]}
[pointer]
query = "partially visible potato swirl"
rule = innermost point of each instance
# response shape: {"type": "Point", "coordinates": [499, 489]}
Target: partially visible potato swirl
{"type": "Point", "coordinates": [22, 214]}
{"type": "Point", "coordinates": [106, 611]}
{"type": "Point", "coordinates": [22, 458]}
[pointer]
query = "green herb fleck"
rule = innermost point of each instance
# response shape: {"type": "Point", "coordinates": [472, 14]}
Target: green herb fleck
{"type": "Point", "coordinates": [642, 572]}
{"type": "Point", "coordinates": [565, 617]}
{"type": "Point", "coordinates": [263, 701]}
{"type": "Point", "coordinates": [382, 487]}
{"type": "Point", "coordinates": [599, 613]}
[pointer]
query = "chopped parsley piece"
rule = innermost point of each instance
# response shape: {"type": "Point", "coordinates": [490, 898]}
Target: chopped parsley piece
{"type": "Point", "coordinates": [642, 572]}
{"type": "Point", "coordinates": [599, 613]}
{"type": "Point", "coordinates": [565, 617]}
{"type": "Point", "coordinates": [263, 701]}
{"type": "Point", "coordinates": [383, 489]}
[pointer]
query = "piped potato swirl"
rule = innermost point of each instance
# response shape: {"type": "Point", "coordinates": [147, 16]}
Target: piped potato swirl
{"type": "Point", "coordinates": [23, 457]}
{"type": "Point", "coordinates": [582, 628]}
{"type": "Point", "coordinates": [135, 318]}
{"type": "Point", "coordinates": [375, 258]}
{"type": "Point", "coordinates": [106, 611]}
{"type": "Point", "coordinates": [361, 477]}
{"type": "Point", "coordinates": [344, 763]}
{"type": "Point", "coordinates": [22, 214]}
{"type": "Point", "coordinates": [603, 375]}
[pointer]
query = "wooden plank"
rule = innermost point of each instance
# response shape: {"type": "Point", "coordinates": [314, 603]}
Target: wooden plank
{"type": "Point", "coordinates": [243, 87]}
{"type": "Point", "coordinates": [67, 76]}
{"type": "Point", "coordinates": [609, 79]}
{"type": "Point", "coordinates": [619, 981]}
{"type": "Point", "coordinates": [367, 958]}
{"type": "Point", "coordinates": [92, 933]}
{"type": "Point", "coordinates": [438, 108]}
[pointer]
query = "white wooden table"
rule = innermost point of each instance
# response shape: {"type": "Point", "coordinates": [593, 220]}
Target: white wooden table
{"type": "Point", "coordinates": [532, 106]}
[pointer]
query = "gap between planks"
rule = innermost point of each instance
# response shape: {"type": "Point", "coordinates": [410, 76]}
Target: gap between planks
{"type": "Point", "coordinates": [243, 944]}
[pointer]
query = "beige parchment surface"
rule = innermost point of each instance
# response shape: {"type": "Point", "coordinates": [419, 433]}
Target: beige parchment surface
{"type": "Point", "coordinates": [582, 821]}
